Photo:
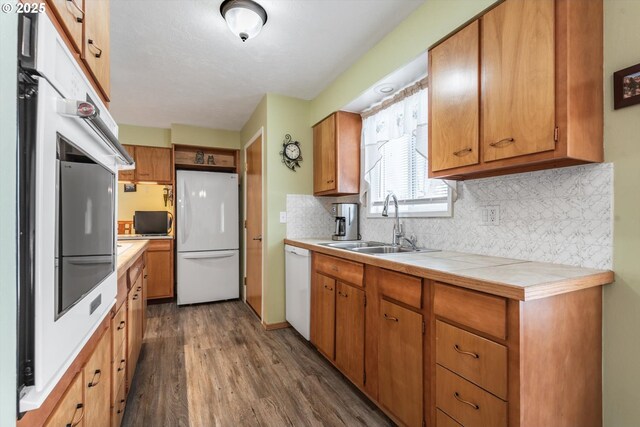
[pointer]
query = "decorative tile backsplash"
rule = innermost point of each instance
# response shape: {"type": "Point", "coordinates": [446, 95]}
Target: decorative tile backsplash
{"type": "Point", "coordinates": [562, 216]}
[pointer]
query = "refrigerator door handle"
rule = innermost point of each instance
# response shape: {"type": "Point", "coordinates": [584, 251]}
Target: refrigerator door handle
{"type": "Point", "coordinates": [185, 213]}
{"type": "Point", "coordinates": [208, 255]}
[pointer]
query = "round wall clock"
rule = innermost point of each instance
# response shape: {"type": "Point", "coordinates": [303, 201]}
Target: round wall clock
{"type": "Point", "coordinates": [291, 153]}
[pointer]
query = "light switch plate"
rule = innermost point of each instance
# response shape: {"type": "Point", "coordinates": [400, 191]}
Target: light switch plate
{"type": "Point", "coordinates": [283, 217]}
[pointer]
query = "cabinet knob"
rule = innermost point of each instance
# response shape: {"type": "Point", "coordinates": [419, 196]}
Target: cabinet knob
{"type": "Point", "coordinates": [79, 407]}
{"type": "Point", "coordinates": [502, 142]}
{"type": "Point", "coordinates": [97, 52]}
{"type": "Point", "coordinates": [462, 152]}
{"type": "Point", "coordinates": [468, 353]}
{"type": "Point", "coordinates": [466, 402]}
{"type": "Point", "coordinates": [96, 378]}
{"type": "Point", "coordinates": [394, 319]}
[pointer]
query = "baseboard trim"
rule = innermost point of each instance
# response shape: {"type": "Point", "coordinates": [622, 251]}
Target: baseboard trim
{"type": "Point", "coordinates": [274, 326]}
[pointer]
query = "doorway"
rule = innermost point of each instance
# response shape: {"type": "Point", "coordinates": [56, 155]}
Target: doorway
{"type": "Point", "coordinates": [253, 215]}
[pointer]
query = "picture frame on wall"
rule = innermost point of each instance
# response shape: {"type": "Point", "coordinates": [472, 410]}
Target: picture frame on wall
{"type": "Point", "coordinates": [626, 87]}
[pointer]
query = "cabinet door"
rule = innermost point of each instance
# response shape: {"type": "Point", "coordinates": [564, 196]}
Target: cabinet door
{"type": "Point", "coordinates": [128, 175]}
{"type": "Point", "coordinates": [324, 155]}
{"type": "Point", "coordinates": [153, 164]}
{"type": "Point", "coordinates": [133, 334]}
{"type": "Point", "coordinates": [518, 81]}
{"type": "Point", "coordinates": [454, 100]}
{"type": "Point", "coordinates": [70, 409]}
{"type": "Point", "coordinates": [323, 314]}
{"type": "Point", "coordinates": [96, 47]}
{"type": "Point", "coordinates": [145, 281]}
{"type": "Point", "coordinates": [70, 14]}
{"type": "Point", "coordinates": [97, 382]}
{"type": "Point", "coordinates": [160, 270]}
{"type": "Point", "coordinates": [400, 363]}
{"type": "Point", "coordinates": [350, 332]}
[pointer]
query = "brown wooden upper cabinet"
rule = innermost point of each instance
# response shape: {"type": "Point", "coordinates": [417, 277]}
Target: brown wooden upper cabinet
{"type": "Point", "coordinates": [519, 89]}
{"type": "Point", "coordinates": [95, 50]}
{"type": "Point", "coordinates": [70, 13]}
{"type": "Point", "coordinates": [336, 155]}
{"type": "Point", "coordinates": [153, 164]}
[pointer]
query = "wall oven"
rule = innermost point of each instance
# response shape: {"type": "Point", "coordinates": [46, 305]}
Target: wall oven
{"type": "Point", "coordinates": [68, 160]}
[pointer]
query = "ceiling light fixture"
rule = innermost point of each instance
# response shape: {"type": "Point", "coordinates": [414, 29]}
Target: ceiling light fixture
{"type": "Point", "coordinates": [385, 89]}
{"type": "Point", "coordinates": [245, 18]}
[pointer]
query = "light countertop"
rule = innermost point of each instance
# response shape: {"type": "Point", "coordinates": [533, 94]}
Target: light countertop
{"type": "Point", "coordinates": [143, 237]}
{"type": "Point", "coordinates": [511, 278]}
{"type": "Point", "coordinates": [128, 252]}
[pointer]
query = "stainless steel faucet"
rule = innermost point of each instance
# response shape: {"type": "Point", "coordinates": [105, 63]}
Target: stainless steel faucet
{"type": "Point", "coordinates": [398, 234]}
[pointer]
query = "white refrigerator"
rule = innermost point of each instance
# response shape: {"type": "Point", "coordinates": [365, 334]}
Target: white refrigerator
{"type": "Point", "coordinates": [207, 234]}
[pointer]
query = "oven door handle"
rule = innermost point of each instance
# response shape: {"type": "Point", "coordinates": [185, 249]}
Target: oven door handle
{"type": "Point", "coordinates": [88, 112]}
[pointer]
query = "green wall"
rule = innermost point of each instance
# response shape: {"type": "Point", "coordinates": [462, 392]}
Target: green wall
{"type": "Point", "coordinates": [622, 300]}
{"type": "Point", "coordinates": [178, 134]}
{"type": "Point", "coordinates": [428, 24]}
{"type": "Point", "coordinates": [8, 235]}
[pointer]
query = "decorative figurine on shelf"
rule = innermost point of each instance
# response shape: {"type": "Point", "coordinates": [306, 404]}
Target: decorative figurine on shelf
{"type": "Point", "coordinates": [291, 153]}
{"type": "Point", "coordinates": [211, 160]}
{"type": "Point", "coordinates": [199, 157]}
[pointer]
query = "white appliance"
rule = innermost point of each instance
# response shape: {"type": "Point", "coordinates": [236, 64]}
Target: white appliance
{"type": "Point", "coordinates": [69, 156]}
{"type": "Point", "coordinates": [298, 289]}
{"type": "Point", "coordinates": [208, 260]}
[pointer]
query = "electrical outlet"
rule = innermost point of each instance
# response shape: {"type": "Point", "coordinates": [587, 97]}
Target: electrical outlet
{"type": "Point", "coordinates": [283, 217]}
{"type": "Point", "coordinates": [493, 215]}
{"type": "Point", "coordinates": [490, 215]}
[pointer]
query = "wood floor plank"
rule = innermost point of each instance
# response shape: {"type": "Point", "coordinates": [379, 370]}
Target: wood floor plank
{"type": "Point", "coordinates": [215, 365]}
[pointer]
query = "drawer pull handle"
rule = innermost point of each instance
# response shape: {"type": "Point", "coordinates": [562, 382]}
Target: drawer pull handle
{"type": "Point", "coordinates": [328, 288]}
{"type": "Point", "coordinates": [335, 268]}
{"type": "Point", "coordinates": [473, 405]}
{"type": "Point", "coordinates": [329, 181]}
{"type": "Point", "coordinates": [121, 325]}
{"type": "Point", "coordinates": [80, 407]}
{"type": "Point", "coordinates": [386, 316]}
{"type": "Point", "coordinates": [94, 382]}
{"type": "Point", "coordinates": [121, 410]}
{"type": "Point", "coordinates": [502, 143]}
{"type": "Point", "coordinates": [98, 51]}
{"type": "Point", "coordinates": [468, 353]}
{"type": "Point", "coordinates": [80, 18]}
{"type": "Point", "coordinates": [342, 295]}
{"type": "Point", "coordinates": [122, 365]}
{"type": "Point", "coordinates": [462, 152]}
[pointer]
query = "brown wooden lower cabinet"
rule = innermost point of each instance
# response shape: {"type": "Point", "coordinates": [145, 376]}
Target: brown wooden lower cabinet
{"type": "Point", "coordinates": [434, 354]}
{"type": "Point", "coordinates": [400, 363]}
{"type": "Point", "coordinates": [350, 332]}
{"type": "Point", "coordinates": [97, 392]}
{"type": "Point", "coordinates": [160, 269]}
{"type": "Point", "coordinates": [70, 409]}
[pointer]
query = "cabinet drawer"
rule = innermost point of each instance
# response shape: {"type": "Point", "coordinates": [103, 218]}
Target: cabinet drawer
{"type": "Point", "coordinates": [119, 367]}
{"type": "Point", "coordinates": [135, 270]}
{"type": "Point", "coordinates": [346, 271]}
{"type": "Point", "coordinates": [401, 287]}
{"type": "Point", "coordinates": [119, 404]}
{"type": "Point", "coordinates": [467, 403]}
{"type": "Point", "coordinates": [477, 359]}
{"type": "Point", "coordinates": [159, 245]}
{"type": "Point", "coordinates": [119, 327]}
{"type": "Point", "coordinates": [70, 408]}
{"type": "Point", "coordinates": [444, 420]}
{"type": "Point", "coordinates": [483, 312]}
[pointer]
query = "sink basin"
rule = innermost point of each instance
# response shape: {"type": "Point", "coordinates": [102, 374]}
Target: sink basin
{"type": "Point", "coordinates": [384, 250]}
{"type": "Point", "coordinates": [352, 245]}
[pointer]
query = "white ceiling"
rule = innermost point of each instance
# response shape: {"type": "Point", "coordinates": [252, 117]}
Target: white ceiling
{"type": "Point", "coordinates": [175, 61]}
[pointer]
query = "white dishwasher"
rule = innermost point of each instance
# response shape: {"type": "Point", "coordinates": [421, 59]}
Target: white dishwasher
{"type": "Point", "coordinates": [298, 289]}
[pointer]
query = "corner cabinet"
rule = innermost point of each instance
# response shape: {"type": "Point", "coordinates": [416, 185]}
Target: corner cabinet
{"type": "Point", "coordinates": [519, 89]}
{"type": "Point", "coordinates": [336, 155]}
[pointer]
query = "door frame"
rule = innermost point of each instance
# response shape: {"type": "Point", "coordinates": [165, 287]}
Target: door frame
{"type": "Point", "coordinates": [258, 134]}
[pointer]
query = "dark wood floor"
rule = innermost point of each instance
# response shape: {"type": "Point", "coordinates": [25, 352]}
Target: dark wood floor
{"type": "Point", "coordinates": [214, 365]}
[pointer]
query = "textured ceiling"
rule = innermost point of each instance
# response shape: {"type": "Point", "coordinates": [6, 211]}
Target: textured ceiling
{"type": "Point", "coordinates": [175, 61]}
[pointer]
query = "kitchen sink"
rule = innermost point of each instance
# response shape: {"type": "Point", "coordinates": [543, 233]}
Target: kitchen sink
{"type": "Point", "coordinates": [353, 245]}
{"type": "Point", "coordinates": [375, 248]}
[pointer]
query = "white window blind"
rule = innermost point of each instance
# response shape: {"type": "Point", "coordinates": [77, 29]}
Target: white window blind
{"type": "Point", "coordinates": [395, 160]}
